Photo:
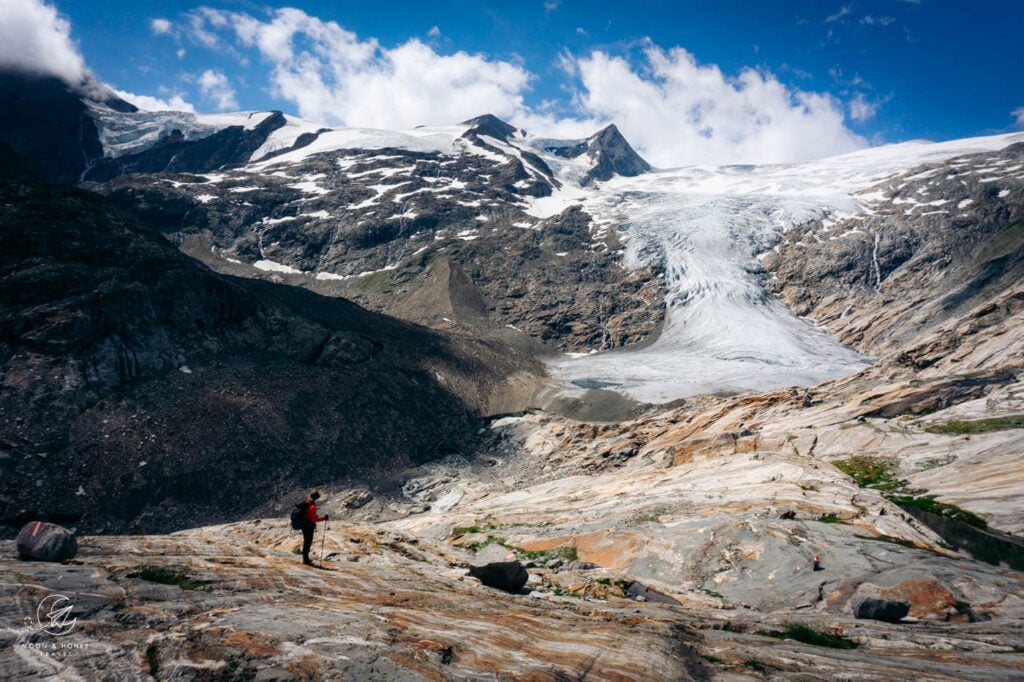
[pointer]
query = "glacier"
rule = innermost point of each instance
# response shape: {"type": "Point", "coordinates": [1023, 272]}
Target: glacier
{"type": "Point", "coordinates": [723, 334]}
{"type": "Point", "coordinates": [704, 227]}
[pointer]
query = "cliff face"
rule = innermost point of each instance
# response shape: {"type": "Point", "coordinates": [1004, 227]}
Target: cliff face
{"type": "Point", "coordinates": [49, 126]}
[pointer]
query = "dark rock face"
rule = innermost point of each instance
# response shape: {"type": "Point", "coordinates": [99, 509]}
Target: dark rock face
{"type": "Point", "coordinates": [141, 389]}
{"type": "Point", "coordinates": [382, 219]}
{"type": "Point", "coordinates": [389, 213]}
{"type": "Point", "coordinates": [46, 542]}
{"type": "Point", "coordinates": [614, 157]}
{"type": "Point", "coordinates": [877, 608]}
{"type": "Point", "coordinates": [48, 126]}
{"type": "Point", "coordinates": [496, 566]}
{"type": "Point", "coordinates": [489, 124]}
{"type": "Point", "coordinates": [612, 153]}
{"type": "Point", "coordinates": [641, 592]}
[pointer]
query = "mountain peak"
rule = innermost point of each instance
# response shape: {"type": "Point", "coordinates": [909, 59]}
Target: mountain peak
{"type": "Point", "coordinates": [609, 132]}
{"type": "Point", "coordinates": [614, 156]}
{"type": "Point", "coordinates": [490, 125]}
{"type": "Point", "coordinates": [611, 153]}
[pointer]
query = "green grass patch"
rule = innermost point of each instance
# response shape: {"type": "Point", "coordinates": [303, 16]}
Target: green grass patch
{"type": "Point", "coordinates": [378, 282]}
{"type": "Point", "coordinates": [971, 426]}
{"type": "Point", "coordinates": [881, 474]}
{"type": "Point", "coordinates": [466, 530]}
{"type": "Point", "coordinates": [888, 538]}
{"type": "Point", "coordinates": [829, 518]}
{"type": "Point", "coordinates": [164, 575]}
{"type": "Point", "coordinates": [808, 635]}
{"type": "Point", "coordinates": [930, 504]}
{"type": "Point", "coordinates": [568, 552]}
{"type": "Point", "coordinates": [491, 540]}
{"type": "Point", "coordinates": [871, 472]}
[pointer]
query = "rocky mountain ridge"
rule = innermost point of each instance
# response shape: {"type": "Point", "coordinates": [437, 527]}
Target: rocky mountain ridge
{"type": "Point", "coordinates": [934, 242]}
{"type": "Point", "coordinates": [141, 388]}
{"type": "Point", "coordinates": [364, 218]}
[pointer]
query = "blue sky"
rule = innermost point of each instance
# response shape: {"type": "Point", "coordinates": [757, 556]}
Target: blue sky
{"type": "Point", "coordinates": [744, 81]}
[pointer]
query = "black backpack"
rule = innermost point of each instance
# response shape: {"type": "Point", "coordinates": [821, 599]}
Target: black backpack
{"type": "Point", "coordinates": [299, 519]}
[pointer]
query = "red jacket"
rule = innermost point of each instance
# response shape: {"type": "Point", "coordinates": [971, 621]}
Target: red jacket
{"type": "Point", "coordinates": [311, 513]}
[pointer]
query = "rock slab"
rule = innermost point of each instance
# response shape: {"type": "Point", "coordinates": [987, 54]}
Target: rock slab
{"type": "Point", "coordinates": [44, 541]}
{"type": "Point", "coordinates": [497, 566]}
{"type": "Point", "coordinates": [877, 608]}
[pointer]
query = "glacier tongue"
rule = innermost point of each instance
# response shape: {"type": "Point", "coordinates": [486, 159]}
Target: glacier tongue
{"type": "Point", "coordinates": [705, 227]}
{"type": "Point", "coordinates": [723, 332]}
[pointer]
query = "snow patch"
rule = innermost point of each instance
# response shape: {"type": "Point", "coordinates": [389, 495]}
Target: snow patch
{"type": "Point", "coordinates": [309, 187]}
{"type": "Point", "coordinates": [272, 266]}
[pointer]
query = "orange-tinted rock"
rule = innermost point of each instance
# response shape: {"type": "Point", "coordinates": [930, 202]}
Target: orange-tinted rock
{"type": "Point", "coordinates": [610, 548]}
{"type": "Point", "coordinates": [928, 597]}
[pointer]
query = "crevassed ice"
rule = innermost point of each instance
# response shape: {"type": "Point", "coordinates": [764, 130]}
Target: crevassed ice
{"type": "Point", "coordinates": [704, 226]}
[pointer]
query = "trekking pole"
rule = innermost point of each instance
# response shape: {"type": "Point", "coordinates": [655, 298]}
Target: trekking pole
{"type": "Point", "coordinates": [322, 539]}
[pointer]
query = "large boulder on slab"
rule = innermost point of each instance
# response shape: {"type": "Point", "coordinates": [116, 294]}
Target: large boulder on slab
{"type": "Point", "coordinates": [878, 608]}
{"type": "Point", "coordinates": [497, 566]}
{"type": "Point", "coordinates": [44, 541]}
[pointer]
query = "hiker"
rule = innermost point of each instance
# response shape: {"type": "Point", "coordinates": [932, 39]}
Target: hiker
{"type": "Point", "coordinates": [309, 528]}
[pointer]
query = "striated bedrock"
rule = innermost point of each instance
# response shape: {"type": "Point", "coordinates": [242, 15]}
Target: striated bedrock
{"type": "Point", "coordinates": [235, 601]}
{"type": "Point", "coordinates": [139, 387]}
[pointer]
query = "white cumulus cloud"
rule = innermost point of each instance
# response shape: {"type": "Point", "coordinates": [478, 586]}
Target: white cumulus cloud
{"type": "Point", "coordinates": [215, 86]}
{"type": "Point", "coordinates": [676, 111]}
{"type": "Point", "coordinates": [861, 109]}
{"type": "Point", "coordinates": [332, 76]}
{"type": "Point", "coordinates": [172, 102]}
{"type": "Point", "coordinates": [160, 26]}
{"type": "Point", "coordinates": [1018, 115]}
{"type": "Point", "coordinates": [34, 38]}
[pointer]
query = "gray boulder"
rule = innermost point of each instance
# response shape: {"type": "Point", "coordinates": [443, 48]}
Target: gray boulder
{"type": "Point", "coordinates": [44, 541]}
{"type": "Point", "coordinates": [877, 608]}
{"type": "Point", "coordinates": [497, 566]}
